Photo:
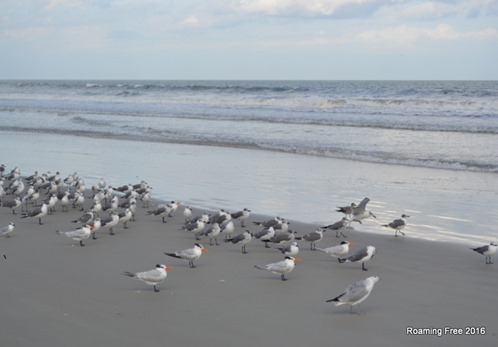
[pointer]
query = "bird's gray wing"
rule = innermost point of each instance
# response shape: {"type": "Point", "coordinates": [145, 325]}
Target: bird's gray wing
{"type": "Point", "coordinates": [362, 253]}
{"type": "Point", "coordinates": [354, 292]}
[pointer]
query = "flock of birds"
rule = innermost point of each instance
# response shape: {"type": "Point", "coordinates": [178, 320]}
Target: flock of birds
{"type": "Point", "coordinates": [42, 192]}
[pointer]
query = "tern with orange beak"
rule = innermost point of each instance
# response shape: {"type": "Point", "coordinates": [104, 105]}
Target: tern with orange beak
{"type": "Point", "coordinates": [282, 267]}
{"type": "Point", "coordinates": [151, 277]}
{"type": "Point", "coordinates": [79, 234]}
{"type": "Point", "coordinates": [189, 254]}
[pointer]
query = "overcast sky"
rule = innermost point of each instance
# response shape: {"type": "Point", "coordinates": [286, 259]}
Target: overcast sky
{"type": "Point", "coordinates": [249, 39]}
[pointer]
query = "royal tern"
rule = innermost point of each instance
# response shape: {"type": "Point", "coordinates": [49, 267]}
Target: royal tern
{"type": "Point", "coordinates": [189, 254]}
{"type": "Point", "coordinates": [487, 251]}
{"type": "Point", "coordinates": [282, 267]}
{"type": "Point", "coordinates": [397, 224]}
{"type": "Point", "coordinates": [361, 256]}
{"type": "Point", "coordinates": [79, 234]}
{"type": "Point", "coordinates": [152, 277]}
{"type": "Point", "coordinates": [356, 293]}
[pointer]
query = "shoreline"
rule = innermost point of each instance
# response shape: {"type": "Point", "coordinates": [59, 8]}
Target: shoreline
{"type": "Point", "coordinates": [64, 292]}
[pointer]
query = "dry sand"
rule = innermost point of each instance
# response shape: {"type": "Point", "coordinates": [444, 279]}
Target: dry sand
{"type": "Point", "coordinates": [56, 293]}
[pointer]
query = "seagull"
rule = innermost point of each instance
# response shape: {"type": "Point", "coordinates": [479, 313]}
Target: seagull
{"type": "Point", "coordinates": [338, 226]}
{"type": "Point", "coordinates": [190, 254]}
{"type": "Point", "coordinates": [356, 293]}
{"type": "Point", "coordinates": [360, 212]}
{"type": "Point", "coordinates": [265, 235]}
{"type": "Point", "coordinates": [110, 222]}
{"type": "Point", "coordinates": [283, 238]}
{"type": "Point", "coordinates": [161, 210]}
{"type": "Point", "coordinates": [152, 277]}
{"type": "Point", "coordinates": [337, 251]}
{"type": "Point", "coordinates": [361, 256]}
{"type": "Point", "coordinates": [291, 250]}
{"type": "Point", "coordinates": [314, 237]}
{"type": "Point", "coordinates": [228, 230]}
{"type": "Point", "coordinates": [38, 212]}
{"type": "Point", "coordinates": [242, 216]}
{"type": "Point", "coordinates": [196, 228]}
{"type": "Point", "coordinates": [242, 239]}
{"type": "Point", "coordinates": [85, 218]}
{"type": "Point", "coordinates": [79, 234]}
{"type": "Point", "coordinates": [487, 251]}
{"type": "Point", "coordinates": [270, 222]}
{"type": "Point", "coordinates": [347, 210]}
{"type": "Point", "coordinates": [212, 231]}
{"type": "Point", "coordinates": [6, 230]}
{"type": "Point", "coordinates": [282, 267]}
{"type": "Point", "coordinates": [397, 224]}
{"type": "Point", "coordinates": [13, 204]}
{"type": "Point", "coordinates": [187, 213]}
{"type": "Point", "coordinates": [124, 217]}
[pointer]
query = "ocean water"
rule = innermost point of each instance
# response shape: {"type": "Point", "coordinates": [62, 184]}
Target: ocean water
{"type": "Point", "coordinates": [451, 125]}
{"type": "Point", "coordinates": [296, 149]}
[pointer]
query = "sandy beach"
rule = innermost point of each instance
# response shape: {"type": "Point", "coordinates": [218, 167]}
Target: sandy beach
{"type": "Point", "coordinates": [56, 293]}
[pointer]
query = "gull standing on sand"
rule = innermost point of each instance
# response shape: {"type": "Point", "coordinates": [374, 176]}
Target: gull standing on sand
{"type": "Point", "coordinates": [314, 237]}
{"type": "Point", "coordinates": [338, 226]}
{"type": "Point", "coordinates": [356, 293]}
{"type": "Point", "coordinates": [228, 230]}
{"type": "Point", "coordinates": [337, 251]}
{"type": "Point", "coordinates": [283, 238]}
{"type": "Point", "coordinates": [487, 251]}
{"type": "Point", "coordinates": [282, 267]}
{"type": "Point", "coordinates": [79, 234]}
{"type": "Point", "coordinates": [265, 235]}
{"type": "Point", "coordinates": [189, 254]}
{"type": "Point", "coordinates": [13, 204]}
{"type": "Point", "coordinates": [291, 250]}
{"type": "Point", "coordinates": [212, 231]}
{"type": "Point", "coordinates": [152, 277]}
{"type": "Point", "coordinates": [242, 216]}
{"type": "Point", "coordinates": [125, 217]}
{"type": "Point", "coordinates": [242, 239]}
{"type": "Point", "coordinates": [85, 218]}
{"type": "Point", "coordinates": [38, 212]}
{"type": "Point", "coordinates": [270, 222]}
{"type": "Point", "coordinates": [187, 213]}
{"type": "Point", "coordinates": [6, 230]}
{"type": "Point", "coordinates": [397, 224]}
{"type": "Point", "coordinates": [110, 222]}
{"type": "Point", "coordinates": [361, 256]}
{"type": "Point", "coordinates": [197, 228]}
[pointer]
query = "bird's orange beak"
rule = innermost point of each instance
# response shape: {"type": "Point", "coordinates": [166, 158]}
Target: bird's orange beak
{"type": "Point", "coordinates": [204, 249]}
{"type": "Point", "coordinates": [168, 268]}
{"type": "Point", "coordinates": [297, 259]}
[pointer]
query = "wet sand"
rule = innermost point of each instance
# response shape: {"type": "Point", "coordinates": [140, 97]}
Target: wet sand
{"type": "Point", "coordinates": [56, 293]}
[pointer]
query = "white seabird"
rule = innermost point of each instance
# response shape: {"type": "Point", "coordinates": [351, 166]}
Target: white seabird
{"type": "Point", "coordinates": [397, 224]}
{"type": "Point", "coordinates": [242, 216]}
{"type": "Point", "coordinates": [152, 277]}
{"type": "Point", "coordinates": [356, 293]}
{"type": "Point", "coordinates": [282, 267]}
{"type": "Point", "coordinates": [7, 230]}
{"type": "Point", "coordinates": [110, 222]}
{"type": "Point", "coordinates": [242, 239]}
{"type": "Point", "coordinates": [37, 212]}
{"type": "Point", "coordinates": [13, 204]}
{"type": "Point", "coordinates": [314, 237]}
{"type": "Point", "coordinates": [291, 250]}
{"type": "Point", "coordinates": [487, 251]}
{"type": "Point", "coordinates": [212, 231]}
{"type": "Point", "coordinates": [338, 226]}
{"type": "Point", "coordinates": [79, 234]}
{"type": "Point", "coordinates": [337, 251]}
{"type": "Point", "coordinates": [265, 235]}
{"type": "Point", "coordinates": [361, 256]}
{"type": "Point", "coordinates": [360, 212]}
{"type": "Point", "coordinates": [189, 254]}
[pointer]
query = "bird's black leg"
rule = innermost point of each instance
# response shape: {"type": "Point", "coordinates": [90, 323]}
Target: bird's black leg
{"type": "Point", "coordinates": [363, 267]}
{"type": "Point", "coordinates": [283, 277]}
{"type": "Point", "coordinates": [39, 221]}
{"type": "Point", "coordinates": [155, 289]}
{"type": "Point", "coordinates": [81, 243]}
{"type": "Point", "coordinates": [110, 231]}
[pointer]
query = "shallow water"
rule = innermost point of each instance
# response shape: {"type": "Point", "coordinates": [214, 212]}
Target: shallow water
{"type": "Point", "coordinates": [444, 205]}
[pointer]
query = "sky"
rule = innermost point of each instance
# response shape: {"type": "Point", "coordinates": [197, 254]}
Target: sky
{"type": "Point", "coordinates": [249, 39]}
